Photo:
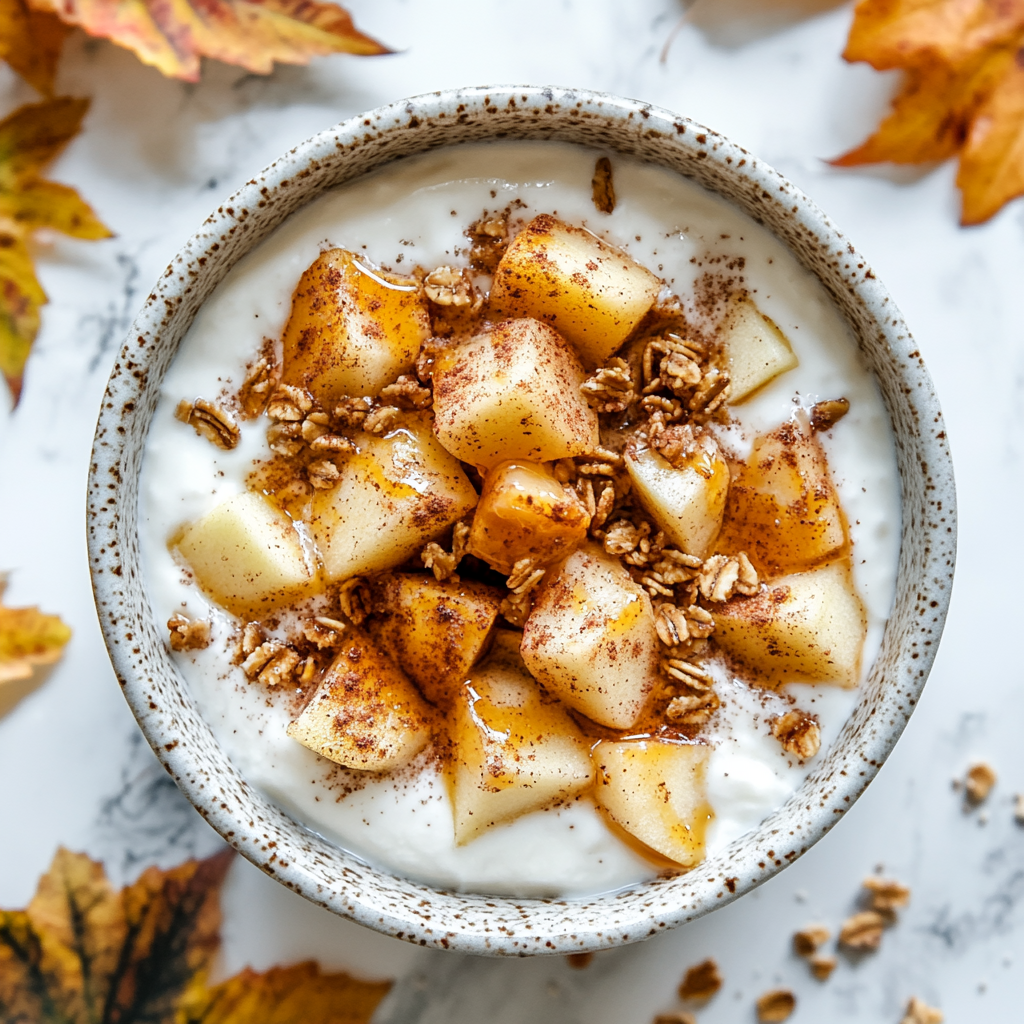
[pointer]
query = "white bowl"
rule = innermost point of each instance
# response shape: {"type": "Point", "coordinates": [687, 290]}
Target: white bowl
{"type": "Point", "coordinates": [311, 865]}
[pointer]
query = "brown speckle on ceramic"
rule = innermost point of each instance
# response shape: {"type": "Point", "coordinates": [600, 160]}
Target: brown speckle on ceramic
{"type": "Point", "coordinates": [311, 865]}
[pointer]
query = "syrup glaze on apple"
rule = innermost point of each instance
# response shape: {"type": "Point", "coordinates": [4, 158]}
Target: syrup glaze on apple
{"type": "Point", "coordinates": [406, 822]}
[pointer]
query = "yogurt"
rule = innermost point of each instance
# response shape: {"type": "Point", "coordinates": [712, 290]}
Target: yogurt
{"type": "Point", "coordinates": [415, 212]}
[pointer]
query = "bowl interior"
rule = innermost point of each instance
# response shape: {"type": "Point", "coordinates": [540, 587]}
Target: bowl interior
{"type": "Point", "coordinates": [315, 867]}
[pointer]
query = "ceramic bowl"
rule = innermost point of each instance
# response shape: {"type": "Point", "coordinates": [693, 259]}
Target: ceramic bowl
{"type": "Point", "coordinates": [311, 865]}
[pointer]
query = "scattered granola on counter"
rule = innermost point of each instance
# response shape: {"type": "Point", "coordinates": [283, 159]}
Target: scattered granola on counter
{"type": "Point", "coordinates": [777, 1005]}
{"type": "Point", "coordinates": [701, 981]}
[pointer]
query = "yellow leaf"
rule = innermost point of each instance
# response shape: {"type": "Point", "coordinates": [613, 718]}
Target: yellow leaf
{"type": "Point", "coordinates": [84, 953]}
{"type": "Point", "coordinates": [284, 995]}
{"type": "Point", "coordinates": [28, 638]}
{"type": "Point", "coordinates": [30, 138]}
{"type": "Point", "coordinates": [962, 94]}
{"type": "Point", "coordinates": [172, 35]}
{"type": "Point", "coordinates": [31, 41]}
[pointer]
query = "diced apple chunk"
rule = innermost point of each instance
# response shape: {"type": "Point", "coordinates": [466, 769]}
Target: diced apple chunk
{"type": "Point", "coordinates": [514, 750]}
{"type": "Point", "coordinates": [396, 493]}
{"type": "Point", "coordinates": [783, 509]}
{"type": "Point", "coordinates": [365, 714]}
{"type": "Point", "coordinates": [589, 291]}
{"type": "Point", "coordinates": [353, 328]}
{"type": "Point", "coordinates": [247, 555]}
{"type": "Point", "coordinates": [590, 639]}
{"type": "Point", "coordinates": [435, 631]}
{"type": "Point", "coordinates": [512, 392]}
{"type": "Point", "coordinates": [524, 512]}
{"type": "Point", "coordinates": [809, 627]}
{"type": "Point", "coordinates": [756, 351]}
{"type": "Point", "coordinates": [657, 792]}
{"type": "Point", "coordinates": [686, 500]}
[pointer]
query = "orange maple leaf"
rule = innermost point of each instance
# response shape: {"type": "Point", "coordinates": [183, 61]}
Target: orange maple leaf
{"type": "Point", "coordinates": [85, 953]}
{"type": "Point", "coordinates": [250, 33]}
{"type": "Point", "coordinates": [963, 92]}
{"type": "Point", "coordinates": [31, 41]}
{"type": "Point", "coordinates": [29, 139]}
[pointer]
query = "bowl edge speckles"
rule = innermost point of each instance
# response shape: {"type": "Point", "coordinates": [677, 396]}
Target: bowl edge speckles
{"type": "Point", "coordinates": [306, 862]}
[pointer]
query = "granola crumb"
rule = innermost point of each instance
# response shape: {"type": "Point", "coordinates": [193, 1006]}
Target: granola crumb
{"type": "Point", "coordinates": [579, 961]}
{"type": "Point", "coordinates": [978, 784]}
{"type": "Point", "coordinates": [516, 608]}
{"type": "Point", "coordinates": [447, 286]}
{"type": "Point", "coordinates": [822, 966]}
{"type": "Point", "coordinates": [489, 236]}
{"type": "Point", "coordinates": [798, 732]}
{"type": "Point", "coordinates": [863, 931]}
{"type": "Point", "coordinates": [407, 393]}
{"type": "Point", "coordinates": [260, 381]}
{"type": "Point", "coordinates": [776, 1005]}
{"type": "Point", "coordinates": [603, 189]}
{"type": "Point", "coordinates": [610, 388]}
{"type": "Point", "coordinates": [679, 1017]}
{"type": "Point", "coordinates": [211, 421]}
{"type": "Point", "coordinates": [722, 576]}
{"type": "Point", "coordinates": [272, 663]}
{"type": "Point", "coordinates": [442, 563]}
{"type": "Point", "coordinates": [188, 634]}
{"type": "Point", "coordinates": [701, 981]}
{"type": "Point", "coordinates": [354, 598]}
{"type": "Point", "coordinates": [381, 419]}
{"type": "Point", "coordinates": [808, 940]}
{"type": "Point", "coordinates": [324, 632]}
{"type": "Point", "coordinates": [1018, 808]}
{"type": "Point", "coordinates": [919, 1012]}
{"type": "Point", "coordinates": [885, 895]}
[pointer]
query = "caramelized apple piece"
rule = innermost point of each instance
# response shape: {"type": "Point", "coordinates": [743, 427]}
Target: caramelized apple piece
{"type": "Point", "coordinates": [686, 498]}
{"type": "Point", "coordinates": [512, 392]}
{"type": "Point", "coordinates": [590, 639]}
{"type": "Point", "coordinates": [365, 714]}
{"type": "Point", "coordinates": [809, 627]}
{"type": "Point", "coordinates": [353, 328]}
{"type": "Point", "coordinates": [435, 631]}
{"type": "Point", "coordinates": [783, 509]}
{"type": "Point", "coordinates": [247, 555]}
{"type": "Point", "coordinates": [514, 749]}
{"type": "Point", "coordinates": [755, 350]}
{"type": "Point", "coordinates": [589, 291]}
{"type": "Point", "coordinates": [524, 512]}
{"type": "Point", "coordinates": [657, 792]}
{"type": "Point", "coordinates": [398, 492]}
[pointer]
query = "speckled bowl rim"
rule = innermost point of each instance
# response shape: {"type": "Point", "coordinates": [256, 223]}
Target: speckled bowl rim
{"type": "Point", "coordinates": [159, 698]}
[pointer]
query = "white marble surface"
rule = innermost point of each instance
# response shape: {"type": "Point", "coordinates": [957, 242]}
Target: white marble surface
{"type": "Point", "coordinates": [156, 156]}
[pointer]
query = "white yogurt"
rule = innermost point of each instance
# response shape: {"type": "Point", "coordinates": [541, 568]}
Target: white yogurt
{"type": "Point", "coordinates": [414, 212]}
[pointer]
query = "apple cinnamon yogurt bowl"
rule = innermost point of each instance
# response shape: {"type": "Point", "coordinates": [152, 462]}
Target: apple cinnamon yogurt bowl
{"type": "Point", "coordinates": [530, 557]}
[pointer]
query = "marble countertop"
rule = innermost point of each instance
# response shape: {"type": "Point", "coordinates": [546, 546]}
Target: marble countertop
{"type": "Point", "coordinates": [157, 156]}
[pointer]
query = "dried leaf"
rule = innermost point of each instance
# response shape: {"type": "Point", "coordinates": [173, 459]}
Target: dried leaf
{"type": "Point", "coordinates": [28, 638]}
{"type": "Point", "coordinates": [250, 33]}
{"type": "Point", "coordinates": [83, 953]}
{"type": "Point", "coordinates": [31, 41]}
{"type": "Point", "coordinates": [282, 996]}
{"type": "Point", "coordinates": [29, 139]}
{"type": "Point", "coordinates": [963, 92]}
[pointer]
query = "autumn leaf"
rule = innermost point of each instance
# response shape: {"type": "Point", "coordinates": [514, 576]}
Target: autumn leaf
{"type": "Point", "coordinates": [31, 41]}
{"type": "Point", "coordinates": [282, 996]}
{"type": "Point", "coordinates": [962, 94]}
{"type": "Point", "coordinates": [30, 139]}
{"type": "Point", "coordinates": [250, 33]}
{"type": "Point", "coordinates": [28, 638]}
{"type": "Point", "coordinates": [85, 953]}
